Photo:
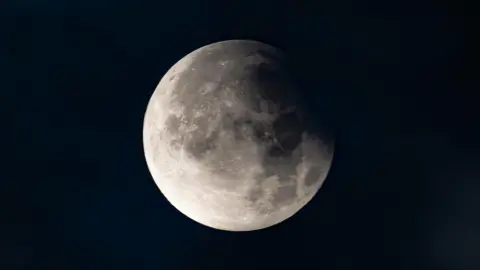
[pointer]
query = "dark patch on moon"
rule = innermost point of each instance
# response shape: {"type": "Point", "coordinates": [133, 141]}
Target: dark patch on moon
{"type": "Point", "coordinates": [198, 148]}
{"type": "Point", "coordinates": [255, 195]}
{"type": "Point", "coordinates": [272, 90]}
{"type": "Point", "coordinates": [313, 176]}
{"type": "Point", "coordinates": [284, 169]}
{"type": "Point", "coordinates": [172, 125]}
{"type": "Point", "coordinates": [285, 195]}
{"type": "Point", "coordinates": [287, 131]}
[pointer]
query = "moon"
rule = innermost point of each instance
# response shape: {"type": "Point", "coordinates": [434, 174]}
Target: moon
{"type": "Point", "coordinates": [228, 141]}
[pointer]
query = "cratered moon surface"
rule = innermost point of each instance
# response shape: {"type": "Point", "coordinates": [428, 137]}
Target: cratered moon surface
{"type": "Point", "coordinates": [226, 139]}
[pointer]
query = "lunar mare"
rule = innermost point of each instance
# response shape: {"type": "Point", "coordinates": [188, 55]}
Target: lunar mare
{"type": "Point", "coordinates": [226, 140]}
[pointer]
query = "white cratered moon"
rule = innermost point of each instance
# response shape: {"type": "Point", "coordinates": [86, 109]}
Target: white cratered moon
{"type": "Point", "coordinates": [227, 141]}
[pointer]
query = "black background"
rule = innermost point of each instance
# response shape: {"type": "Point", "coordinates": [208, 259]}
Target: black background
{"type": "Point", "coordinates": [395, 78]}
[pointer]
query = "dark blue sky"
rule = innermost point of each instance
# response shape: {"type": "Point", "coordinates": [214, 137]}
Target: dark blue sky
{"type": "Point", "coordinates": [393, 77]}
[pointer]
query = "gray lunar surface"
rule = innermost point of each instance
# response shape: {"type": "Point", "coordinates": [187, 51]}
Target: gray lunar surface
{"type": "Point", "coordinates": [226, 140]}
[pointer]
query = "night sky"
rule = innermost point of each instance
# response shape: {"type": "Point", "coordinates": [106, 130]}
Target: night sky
{"type": "Point", "coordinates": [394, 78]}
